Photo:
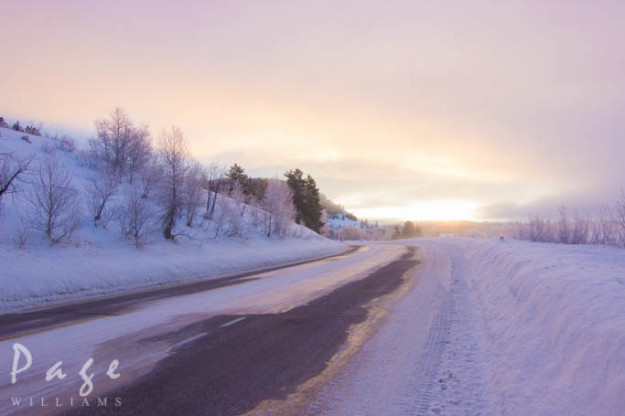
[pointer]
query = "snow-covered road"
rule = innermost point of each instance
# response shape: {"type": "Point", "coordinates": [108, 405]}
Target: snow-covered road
{"type": "Point", "coordinates": [495, 328]}
{"type": "Point", "coordinates": [479, 327]}
{"type": "Point", "coordinates": [106, 338]}
{"type": "Point", "coordinates": [404, 368]}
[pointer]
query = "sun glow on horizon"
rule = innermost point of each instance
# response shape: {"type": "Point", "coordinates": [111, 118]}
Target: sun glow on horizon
{"type": "Point", "coordinates": [437, 210]}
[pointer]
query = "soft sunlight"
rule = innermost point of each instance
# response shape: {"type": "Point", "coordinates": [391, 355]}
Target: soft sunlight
{"type": "Point", "coordinates": [438, 210]}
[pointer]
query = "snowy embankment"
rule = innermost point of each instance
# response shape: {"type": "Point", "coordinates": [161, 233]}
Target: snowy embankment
{"type": "Point", "coordinates": [552, 324]}
{"type": "Point", "coordinates": [98, 258]}
{"type": "Point", "coordinates": [38, 277]}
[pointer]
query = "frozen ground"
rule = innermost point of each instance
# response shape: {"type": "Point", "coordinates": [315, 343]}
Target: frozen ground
{"type": "Point", "coordinates": [495, 328]}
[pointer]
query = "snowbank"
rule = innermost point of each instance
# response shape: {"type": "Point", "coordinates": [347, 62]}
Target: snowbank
{"type": "Point", "coordinates": [554, 325]}
{"type": "Point", "coordinates": [36, 277]}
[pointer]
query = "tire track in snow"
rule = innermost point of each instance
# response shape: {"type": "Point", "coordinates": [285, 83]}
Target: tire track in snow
{"type": "Point", "coordinates": [437, 339]}
{"type": "Point", "coordinates": [427, 359]}
{"type": "Point", "coordinates": [395, 371]}
{"type": "Point", "coordinates": [462, 382]}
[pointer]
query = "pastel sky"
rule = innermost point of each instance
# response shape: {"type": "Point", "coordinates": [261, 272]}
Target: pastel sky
{"type": "Point", "coordinates": [400, 109]}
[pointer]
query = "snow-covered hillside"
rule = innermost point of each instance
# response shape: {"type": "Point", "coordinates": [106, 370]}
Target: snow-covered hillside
{"type": "Point", "coordinates": [98, 260]}
{"type": "Point", "coordinates": [341, 220]}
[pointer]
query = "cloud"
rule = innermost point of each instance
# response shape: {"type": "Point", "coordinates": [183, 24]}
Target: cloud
{"type": "Point", "coordinates": [511, 106]}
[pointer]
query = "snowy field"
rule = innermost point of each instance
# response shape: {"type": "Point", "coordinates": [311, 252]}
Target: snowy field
{"type": "Point", "coordinates": [496, 328]}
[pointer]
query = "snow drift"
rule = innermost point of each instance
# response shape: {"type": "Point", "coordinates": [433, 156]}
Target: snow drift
{"type": "Point", "coordinates": [553, 325]}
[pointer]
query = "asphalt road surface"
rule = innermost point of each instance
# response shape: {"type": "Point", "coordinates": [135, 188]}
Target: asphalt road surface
{"type": "Point", "coordinates": [243, 344]}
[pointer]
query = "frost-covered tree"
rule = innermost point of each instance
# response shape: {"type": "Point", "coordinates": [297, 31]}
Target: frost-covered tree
{"type": "Point", "coordinates": [235, 212]}
{"type": "Point", "coordinates": [350, 233]}
{"type": "Point", "coordinates": [11, 168]}
{"type": "Point", "coordinates": [123, 148]}
{"type": "Point", "coordinates": [619, 217]}
{"type": "Point", "coordinates": [99, 191]}
{"type": "Point", "coordinates": [580, 229]}
{"type": "Point", "coordinates": [135, 214]}
{"type": "Point", "coordinates": [278, 205]}
{"type": "Point", "coordinates": [538, 229]}
{"type": "Point", "coordinates": [214, 178]}
{"type": "Point", "coordinates": [54, 200]}
{"type": "Point", "coordinates": [221, 216]}
{"type": "Point", "coordinates": [173, 162]}
{"type": "Point", "coordinates": [564, 228]}
{"type": "Point", "coordinates": [139, 152]}
{"type": "Point", "coordinates": [604, 228]}
{"type": "Point", "coordinates": [193, 193]}
{"type": "Point", "coordinates": [572, 230]}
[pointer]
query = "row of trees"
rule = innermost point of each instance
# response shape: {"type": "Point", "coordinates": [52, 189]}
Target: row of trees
{"type": "Point", "coordinates": [363, 231]}
{"type": "Point", "coordinates": [572, 227]}
{"type": "Point", "coordinates": [408, 230]}
{"type": "Point", "coordinates": [30, 128]}
{"type": "Point", "coordinates": [145, 187]}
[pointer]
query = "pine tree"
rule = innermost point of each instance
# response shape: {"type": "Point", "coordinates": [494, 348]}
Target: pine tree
{"type": "Point", "coordinates": [236, 174]}
{"type": "Point", "coordinates": [306, 199]}
{"type": "Point", "coordinates": [313, 209]}
{"type": "Point", "coordinates": [17, 127]}
{"type": "Point", "coordinates": [297, 184]}
{"type": "Point", "coordinates": [410, 230]}
{"type": "Point", "coordinates": [396, 232]}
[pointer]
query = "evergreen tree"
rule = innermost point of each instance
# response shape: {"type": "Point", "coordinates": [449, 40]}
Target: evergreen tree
{"type": "Point", "coordinates": [17, 127]}
{"type": "Point", "coordinates": [255, 188]}
{"type": "Point", "coordinates": [313, 209]}
{"type": "Point", "coordinates": [306, 199]}
{"type": "Point", "coordinates": [410, 230]}
{"type": "Point", "coordinates": [396, 232]}
{"type": "Point", "coordinates": [297, 184]}
{"type": "Point", "coordinates": [236, 174]}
